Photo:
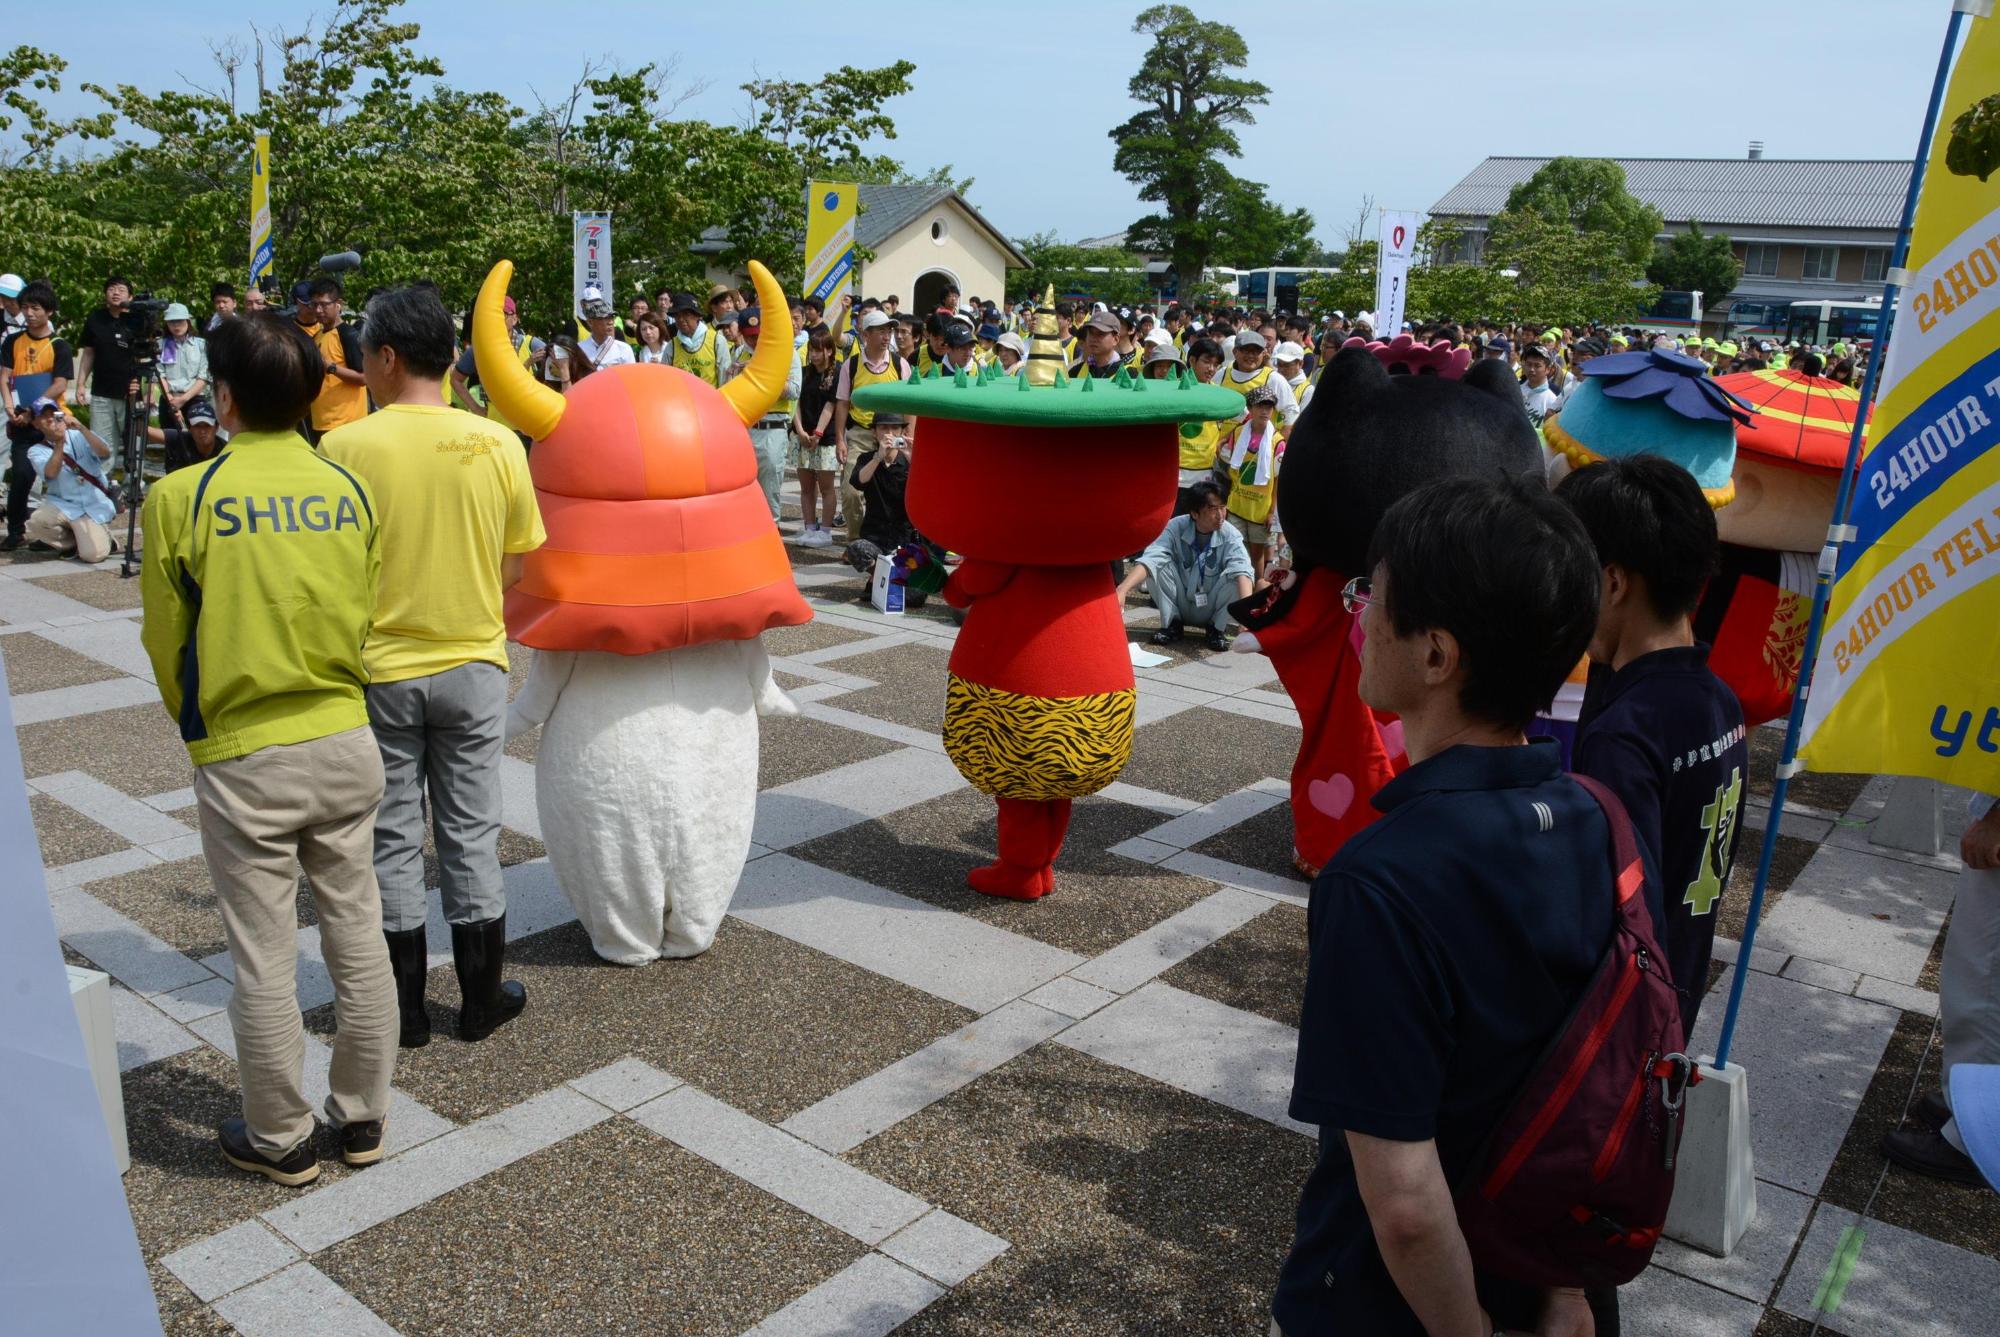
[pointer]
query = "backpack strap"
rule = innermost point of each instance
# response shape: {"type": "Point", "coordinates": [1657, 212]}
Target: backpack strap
{"type": "Point", "coordinates": [1631, 871]}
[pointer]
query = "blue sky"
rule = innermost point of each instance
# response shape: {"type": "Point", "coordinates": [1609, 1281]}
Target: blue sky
{"type": "Point", "coordinates": [1019, 95]}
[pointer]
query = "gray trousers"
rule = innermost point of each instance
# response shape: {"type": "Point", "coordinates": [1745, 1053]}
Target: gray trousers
{"type": "Point", "coordinates": [1179, 599]}
{"type": "Point", "coordinates": [1969, 979]}
{"type": "Point", "coordinates": [108, 419]}
{"type": "Point", "coordinates": [769, 443]}
{"type": "Point", "coordinates": [440, 734]}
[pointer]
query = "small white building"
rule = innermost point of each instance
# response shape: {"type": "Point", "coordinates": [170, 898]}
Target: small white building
{"type": "Point", "coordinates": [922, 237]}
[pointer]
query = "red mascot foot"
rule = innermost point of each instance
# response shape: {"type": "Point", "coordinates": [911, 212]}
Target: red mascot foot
{"type": "Point", "coordinates": [1012, 881]}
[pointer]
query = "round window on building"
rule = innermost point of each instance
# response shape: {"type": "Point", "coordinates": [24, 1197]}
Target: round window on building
{"type": "Point", "coordinates": [940, 230]}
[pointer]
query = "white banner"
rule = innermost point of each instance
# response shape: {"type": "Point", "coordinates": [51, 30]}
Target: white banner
{"type": "Point", "coordinates": [590, 267]}
{"type": "Point", "coordinates": [1392, 271]}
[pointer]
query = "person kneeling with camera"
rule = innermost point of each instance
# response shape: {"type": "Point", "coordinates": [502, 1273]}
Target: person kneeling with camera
{"type": "Point", "coordinates": [78, 500]}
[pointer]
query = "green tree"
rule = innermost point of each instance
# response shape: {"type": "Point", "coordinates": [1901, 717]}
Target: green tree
{"type": "Point", "coordinates": [1352, 289]}
{"type": "Point", "coordinates": [1251, 232]}
{"type": "Point", "coordinates": [1589, 194]}
{"type": "Point", "coordinates": [1174, 149]}
{"type": "Point", "coordinates": [1102, 274]}
{"type": "Point", "coordinates": [1696, 261]}
{"type": "Point", "coordinates": [1566, 276]}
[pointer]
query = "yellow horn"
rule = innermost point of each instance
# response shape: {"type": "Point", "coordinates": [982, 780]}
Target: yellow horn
{"type": "Point", "coordinates": [528, 404]}
{"type": "Point", "coordinates": [753, 392]}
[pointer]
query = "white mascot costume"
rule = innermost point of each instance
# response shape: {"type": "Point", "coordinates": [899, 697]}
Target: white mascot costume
{"type": "Point", "coordinates": [661, 570]}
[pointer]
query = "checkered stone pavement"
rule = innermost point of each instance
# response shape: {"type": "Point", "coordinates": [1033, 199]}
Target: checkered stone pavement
{"type": "Point", "coordinates": [882, 1101]}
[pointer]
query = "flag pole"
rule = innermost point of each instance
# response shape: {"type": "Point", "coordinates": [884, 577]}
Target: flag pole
{"type": "Point", "coordinates": [1829, 556]}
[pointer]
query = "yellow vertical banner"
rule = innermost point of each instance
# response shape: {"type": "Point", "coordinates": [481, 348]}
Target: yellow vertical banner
{"type": "Point", "coordinates": [1907, 678]}
{"type": "Point", "coordinates": [830, 210]}
{"type": "Point", "coordinates": [261, 253]}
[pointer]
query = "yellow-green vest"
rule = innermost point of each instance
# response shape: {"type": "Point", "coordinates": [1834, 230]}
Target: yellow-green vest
{"type": "Point", "coordinates": [705, 361]}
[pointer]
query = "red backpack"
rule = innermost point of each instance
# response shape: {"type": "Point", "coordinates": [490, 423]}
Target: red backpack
{"type": "Point", "coordinates": [1573, 1186]}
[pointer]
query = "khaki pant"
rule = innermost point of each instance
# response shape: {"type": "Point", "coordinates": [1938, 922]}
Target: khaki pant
{"type": "Point", "coordinates": [860, 440]}
{"type": "Point", "coordinates": [263, 816]}
{"type": "Point", "coordinates": [90, 541]}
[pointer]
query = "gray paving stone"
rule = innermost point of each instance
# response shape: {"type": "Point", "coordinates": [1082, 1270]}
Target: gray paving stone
{"type": "Point", "coordinates": [1761, 958]}
{"type": "Point", "coordinates": [323, 1218]}
{"type": "Point", "coordinates": [1902, 1282]}
{"type": "Point", "coordinates": [1752, 1271]}
{"type": "Point", "coordinates": [1172, 940]}
{"type": "Point", "coordinates": [1236, 875]}
{"type": "Point", "coordinates": [1256, 710]}
{"type": "Point", "coordinates": [1831, 913]}
{"type": "Point", "coordinates": [942, 952]}
{"type": "Point", "coordinates": [517, 797]}
{"type": "Point", "coordinates": [1195, 1044]}
{"type": "Point", "coordinates": [1152, 708]}
{"type": "Point", "coordinates": [1142, 850]}
{"type": "Point", "coordinates": [138, 822]}
{"type": "Point", "coordinates": [113, 641]}
{"type": "Point", "coordinates": [300, 1299]}
{"type": "Point", "coordinates": [1898, 995]}
{"type": "Point", "coordinates": [1820, 975]}
{"type": "Point", "coordinates": [1810, 1054]}
{"type": "Point", "coordinates": [626, 1083]}
{"type": "Point", "coordinates": [230, 1260]}
{"type": "Point", "coordinates": [823, 1186]}
{"type": "Point", "coordinates": [90, 698]}
{"type": "Point", "coordinates": [868, 724]}
{"type": "Point", "coordinates": [944, 1248]}
{"type": "Point", "coordinates": [1659, 1303]}
{"type": "Point", "coordinates": [84, 871]}
{"type": "Point", "coordinates": [145, 1034]}
{"type": "Point", "coordinates": [315, 983]}
{"type": "Point", "coordinates": [120, 947]}
{"type": "Point", "coordinates": [1212, 819]}
{"type": "Point", "coordinates": [196, 1001]}
{"type": "Point", "coordinates": [871, 1297]}
{"type": "Point", "coordinates": [171, 801]}
{"type": "Point", "coordinates": [837, 799]}
{"type": "Point", "coordinates": [1071, 997]}
{"type": "Point", "coordinates": [849, 1117]}
{"type": "Point", "coordinates": [1139, 797]}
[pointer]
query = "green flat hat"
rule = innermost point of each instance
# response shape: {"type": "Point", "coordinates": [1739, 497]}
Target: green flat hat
{"type": "Point", "coordinates": [991, 396]}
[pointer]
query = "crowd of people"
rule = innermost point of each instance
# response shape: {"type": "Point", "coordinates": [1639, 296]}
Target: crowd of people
{"type": "Point", "coordinates": [354, 468]}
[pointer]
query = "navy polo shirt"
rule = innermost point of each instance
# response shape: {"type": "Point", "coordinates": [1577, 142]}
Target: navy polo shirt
{"type": "Point", "coordinates": [1666, 735]}
{"type": "Point", "coordinates": [1448, 942]}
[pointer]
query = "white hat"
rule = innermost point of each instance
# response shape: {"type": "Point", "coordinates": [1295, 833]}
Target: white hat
{"type": "Point", "coordinates": [1154, 338]}
{"type": "Point", "coordinates": [1288, 352]}
{"type": "Point", "coordinates": [11, 285]}
{"type": "Point", "coordinates": [1340, 315]}
{"type": "Point", "coordinates": [871, 320]}
{"type": "Point", "coordinates": [1013, 341]}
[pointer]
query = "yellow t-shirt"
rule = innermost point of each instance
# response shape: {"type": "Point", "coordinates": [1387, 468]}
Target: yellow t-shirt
{"type": "Point", "coordinates": [338, 403]}
{"type": "Point", "coordinates": [453, 495]}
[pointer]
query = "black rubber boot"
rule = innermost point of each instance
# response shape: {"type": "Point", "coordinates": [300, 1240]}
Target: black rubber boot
{"type": "Point", "coordinates": [489, 1002]}
{"type": "Point", "coordinates": [409, 960]}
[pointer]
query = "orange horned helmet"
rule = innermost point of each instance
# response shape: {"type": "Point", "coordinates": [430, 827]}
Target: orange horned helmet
{"type": "Point", "coordinates": [659, 536]}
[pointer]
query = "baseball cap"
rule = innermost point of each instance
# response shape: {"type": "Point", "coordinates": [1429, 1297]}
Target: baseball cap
{"type": "Point", "coordinates": [989, 332]}
{"type": "Point", "coordinates": [750, 320]}
{"type": "Point", "coordinates": [1249, 339]}
{"type": "Point", "coordinates": [174, 311]}
{"type": "Point", "coordinates": [1590, 347]}
{"type": "Point", "coordinates": [200, 411]}
{"type": "Point", "coordinates": [1103, 320]}
{"type": "Point", "coordinates": [508, 306]}
{"type": "Point", "coordinates": [43, 405]}
{"type": "Point", "coordinates": [596, 308]}
{"type": "Point", "coordinates": [1288, 352]}
{"type": "Point", "coordinates": [888, 418]}
{"type": "Point", "coordinates": [1164, 352]}
{"type": "Point", "coordinates": [1534, 351]}
{"type": "Point", "coordinates": [875, 320]}
{"type": "Point", "coordinates": [957, 334]}
{"type": "Point", "coordinates": [1500, 346]}
{"type": "Point", "coordinates": [1263, 394]}
{"type": "Point", "coordinates": [1154, 338]}
{"type": "Point", "coordinates": [682, 302]}
{"type": "Point", "coordinates": [11, 285]}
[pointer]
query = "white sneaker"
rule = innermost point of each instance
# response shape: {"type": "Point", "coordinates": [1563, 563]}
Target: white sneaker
{"type": "Point", "coordinates": [816, 538]}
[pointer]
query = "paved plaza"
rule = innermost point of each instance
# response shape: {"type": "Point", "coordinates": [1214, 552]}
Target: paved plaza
{"type": "Point", "coordinates": [883, 1101]}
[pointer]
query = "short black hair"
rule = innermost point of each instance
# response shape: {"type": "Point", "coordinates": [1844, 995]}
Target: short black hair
{"type": "Point", "coordinates": [950, 288]}
{"type": "Point", "coordinates": [327, 286]}
{"type": "Point", "coordinates": [117, 281]}
{"type": "Point", "coordinates": [1200, 493]}
{"type": "Point", "coordinates": [1812, 364]}
{"type": "Point", "coordinates": [413, 322]}
{"type": "Point", "coordinates": [1204, 348]}
{"type": "Point", "coordinates": [1648, 515]}
{"type": "Point", "coordinates": [1522, 614]}
{"type": "Point", "coordinates": [272, 370]}
{"type": "Point", "coordinates": [216, 290]}
{"type": "Point", "coordinates": [40, 292]}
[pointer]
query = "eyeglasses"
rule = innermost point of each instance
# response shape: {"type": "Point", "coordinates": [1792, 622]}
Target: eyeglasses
{"type": "Point", "coordinates": [1357, 594]}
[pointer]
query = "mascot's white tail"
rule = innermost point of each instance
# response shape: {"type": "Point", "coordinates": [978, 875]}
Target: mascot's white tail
{"type": "Point", "coordinates": [646, 782]}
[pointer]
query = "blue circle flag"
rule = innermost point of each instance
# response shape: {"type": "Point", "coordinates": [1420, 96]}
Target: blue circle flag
{"type": "Point", "coordinates": [832, 201]}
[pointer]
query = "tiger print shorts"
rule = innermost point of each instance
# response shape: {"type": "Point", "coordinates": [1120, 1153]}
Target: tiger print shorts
{"type": "Point", "coordinates": [1037, 747]}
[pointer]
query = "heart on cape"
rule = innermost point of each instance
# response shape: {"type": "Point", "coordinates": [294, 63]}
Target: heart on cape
{"type": "Point", "coordinates": [1332, 797]}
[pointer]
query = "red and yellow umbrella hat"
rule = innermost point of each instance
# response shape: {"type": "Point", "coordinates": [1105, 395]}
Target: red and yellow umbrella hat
{"type": "Point", "coordinates": [659, 536]}
{"type": "Point", "coordinates": [1788, 458]}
